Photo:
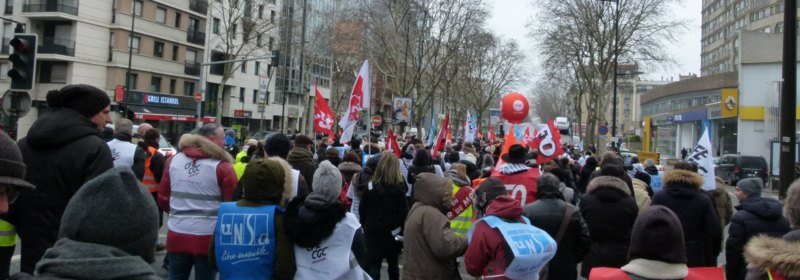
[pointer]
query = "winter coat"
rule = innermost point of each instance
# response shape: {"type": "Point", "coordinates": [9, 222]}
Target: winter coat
{"type": "Point", "coordinates": [610, 212]}
{"type": "Point", "coordinates": [723, 203]}
{"type": "Point", "coordinates": [547, 214]}
{"type": "Point", "coordinates": [473, 172]}
{"type": "Point", "coordinates": [642, 197]}
{"type": "Point", "coordinates": [781, 255]}
{"type": "Point", "coordinates": [301, 159]}
{"type": "Point", "coordinates": [431, 247]}
{"type": "Point", "coordinates": [486, 254]}
{"type": "Point", "coordinates": [348, 170]}
{"type": "Point", "coordinates": [69, 259]}
{"type": "Point", "coordinates": [308, 228]}
{"type": "Point", "coordinates": [62, 152]}
{"type": "Point", "coordinates": [754, 216]}
{"type": "Point", "coordinates": [383, 209]}
{"type": "Point", "coordinates": [585, 176]}
{"type": "Point", "coordinates": [197, 147]}
{"type": "Point", "coordinates": [683, 195]}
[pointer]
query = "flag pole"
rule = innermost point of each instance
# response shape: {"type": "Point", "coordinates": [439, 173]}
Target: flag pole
{"type": "Point", "coordinates": [369, 117]}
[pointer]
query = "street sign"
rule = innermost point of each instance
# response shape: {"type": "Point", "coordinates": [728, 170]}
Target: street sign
{"type": "Point", "coordinates": [377, 120]}
{"type": "Point", "coordinates": [198, 97]}
{"type": "Point", "coordinates": [602, 130]}
{"type": "Point", "coordinates": [119, 93]}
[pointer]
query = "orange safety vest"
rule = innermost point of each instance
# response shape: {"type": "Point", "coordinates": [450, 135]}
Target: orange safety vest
{"type": "Point", "coordinates": [149, 180]}
{"type": "Point", "coordinates": [695, 273]}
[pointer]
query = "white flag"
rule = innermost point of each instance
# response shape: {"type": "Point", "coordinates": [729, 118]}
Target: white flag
{"type": "Point", "coordinates": [470, 128]}
{"type": "Point", "coordinates": [701, 155]}
{"type": "Point", "coordinates": [359, 100]}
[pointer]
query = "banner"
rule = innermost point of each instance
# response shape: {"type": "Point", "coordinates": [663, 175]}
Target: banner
{"type": "Point", "coordinates": [470, 127]}
{"type": "Point", "coordinates": [431, 140]}
{"type": "Point", "coordinates": [323, 115]}
{"type": "Point", "coordinates": [391, 143]}
{"type": "Point", "coordinates": [460, 202]}
{"type": "Point", "coordinates": [701, 155]}
{"type": "Point", "coordinates": [402, 110]}
{"type": "Point", "coordinates": [359, 100]}
{"type": "Point", "coordinates": [441, 138]}
{"type": "Point", "coordinates": [548, 142]}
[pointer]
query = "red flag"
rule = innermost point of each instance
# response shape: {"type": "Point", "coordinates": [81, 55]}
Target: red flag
{"type": "Point", "coordinates": [491, 135]}
{"type": "Point", "coordinates": [548, 142]}
{"type": "Point", "coordinates": [323, 115]}
{"type": "Point", "coordinates": [442, 137]}
{"type": "Point", "coordinates": [480, 135]}
{"type": "Point", "coordinates": [391, 143]}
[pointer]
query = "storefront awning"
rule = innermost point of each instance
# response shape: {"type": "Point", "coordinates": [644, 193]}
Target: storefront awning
{"type": "Point", "coordinates": [152, 113]}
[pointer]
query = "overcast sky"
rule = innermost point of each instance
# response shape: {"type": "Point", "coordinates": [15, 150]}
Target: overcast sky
{"type": "Point", "coordinates": [509, 18]}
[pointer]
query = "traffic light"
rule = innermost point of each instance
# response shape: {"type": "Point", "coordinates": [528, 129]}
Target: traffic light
{"type": "Point", "coordinates": [276, 54]}
{"type": "Point", "coordinates": [23, 62]}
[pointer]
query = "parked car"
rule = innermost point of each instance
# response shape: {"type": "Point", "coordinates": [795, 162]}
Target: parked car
{"type": "Point", "coordinates": [733, 168]}
{"type": "Point", "coordinates": [164, 147]}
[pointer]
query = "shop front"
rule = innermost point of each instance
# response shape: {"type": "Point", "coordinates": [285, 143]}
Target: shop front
{"type": "Point", "coordinates": [173, 115]}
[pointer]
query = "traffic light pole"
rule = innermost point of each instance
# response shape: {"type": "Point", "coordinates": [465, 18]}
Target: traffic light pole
{"type": "Point", "coordinates": [203, 75]}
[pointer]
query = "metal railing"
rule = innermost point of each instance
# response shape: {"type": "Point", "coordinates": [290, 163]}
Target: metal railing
{"type": "Point", "coordinates": [197, 37]}
{"type": "Point", "coordinates": [62, 6]}
{"type": "Point", "coordinates": [191, 68]}
{"type": "Point", "coordinates": [200, 6]}
{"type": "Point", "coordinates": [52, 45]}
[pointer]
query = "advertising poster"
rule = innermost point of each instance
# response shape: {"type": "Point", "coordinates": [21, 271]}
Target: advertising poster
{"type": "Point", "coordinates": [402, 109]}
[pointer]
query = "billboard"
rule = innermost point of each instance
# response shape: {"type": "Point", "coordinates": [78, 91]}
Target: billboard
{"type": "Point", "coordinates": [402, 110]}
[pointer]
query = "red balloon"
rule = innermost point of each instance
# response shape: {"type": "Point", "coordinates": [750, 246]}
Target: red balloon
{"type": "Point", "coordinates": [514, 107]}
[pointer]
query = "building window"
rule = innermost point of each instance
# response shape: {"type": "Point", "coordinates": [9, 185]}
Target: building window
{"type": "Point", "coordinates": [258, 67]}
{"type": "Point", "coordinates": [260, 11]}
{"type": "Point", "coordinates": [215, 26]}
{"type": "Point", "coordinates": [234, 27]}
{"type": "Point", "coordinates": [241, 95]}
{"type": "Point", "coordinates": [259, 40]}
{"type": "Point", "coordinates": [137, 7]}
{"type": "Point", "coordinates": [272, 2]}
{"type": "Point", "coordinates": [243, 68]}
{"type": "Point", "coordinates": [271, 16]}
{"type": "Point", "coordinates": [158, 49]}
{"type": "Point", "coordinates": [172, 85]}
{"type": "Point", "coordinates": [188, 88]}
{"type": "Point", "coordinates": [155, 84]}
{"type": "Point", "coordinates": [177, 20]}
{"type": "Point", "coordinates": [161, 15]}
{"type": "Point", "coordinates": [132, 79]}
{"type": "Point", "coordinates": [174, 52]}
{"type": "Point", "coordinates": [255, 96]}
{"type": "Point", "coordinates": [53, 72]}
{"type": "Point", "coordinates": [271, 43]}
{"type": "Point", "coordinates": [9, 8]}
{"type": "Point", "coordinates": [133, 43]}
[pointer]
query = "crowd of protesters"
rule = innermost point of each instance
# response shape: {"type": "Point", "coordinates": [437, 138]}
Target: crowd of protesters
{"type": "Point", "coordinates": [296, 207]}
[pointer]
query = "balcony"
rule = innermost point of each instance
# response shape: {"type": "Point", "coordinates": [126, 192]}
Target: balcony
{"type": "Point", "coordinates": [51, 45]}
{"type": "Point", "coordinates": [191, 68]}
{"type": "Point", "coordinates": [197, 37]}
{"type": "Point", "coordinates": [200, 6]}
{"type": "Point", "coordinates": [59, 6]}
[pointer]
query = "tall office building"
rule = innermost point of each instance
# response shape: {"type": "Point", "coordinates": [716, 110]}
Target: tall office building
{"type": "Point", "coordinates": [721, 21]}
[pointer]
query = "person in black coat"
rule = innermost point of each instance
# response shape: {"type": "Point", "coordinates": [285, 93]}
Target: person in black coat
{"type": "Point", "coordinates": [302, 159]}
{"type": "Point", "coordinates": [422, 163]}
{"type": "Point", "coordinates": [586, 173]}
{"type": "Point", "coordinates": [683, 195]}
{"type": "Point", "coordinates": [755, 215]}
{"type": "Point", "coordinates": [609, 211]}
{"type": "Point", "coordinates": [547, 213]}
{"type": "Point", "coordinates": [62, 151]}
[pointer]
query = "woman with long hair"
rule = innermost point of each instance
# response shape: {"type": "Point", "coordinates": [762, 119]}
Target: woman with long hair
{"type": "Point", "coordinates": [383, 211]}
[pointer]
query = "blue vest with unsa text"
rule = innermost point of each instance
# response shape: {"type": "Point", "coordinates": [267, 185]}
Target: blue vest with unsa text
{"type": "Point", "coordinates": [532, 247]}
{"type": "Point", "coordinates": [244, 241]}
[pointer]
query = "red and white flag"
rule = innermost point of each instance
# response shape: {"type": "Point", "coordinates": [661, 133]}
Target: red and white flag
{"type": "Point", "coordinates": [391, 143]}
{"type": "Point", "coordinates": [491, 135]}
{"type": "Point", "coordinates": [442, 137]}
{"type": "Point", "coordinates": [359, 100]}
{"type": "Point", "coordinates": [548, 142]}
{"type": "Point", "coordinates": [323, 115]}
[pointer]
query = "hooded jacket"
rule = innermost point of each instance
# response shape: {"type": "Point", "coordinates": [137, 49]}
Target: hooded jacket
{"type": "Point", "coordinates": [754, 216]}
{"type": "Point", "coordinates": [197, 147]}
{"type": "Point", "coordinates": [781, 255]}
{"type": "Point", "coordinates": [609, 211]}
{"type": "Point", "coordinates": [683, 195]}
{"type": "Point", "coordinates": [487, 248]}
{"type": "Point", "coordinates": [431, 247]}
{"type": "Point", "coordinates": [642, 197]}
{"type": "Point", "coordinates": [302, 159]}
{"type": "Point", "coordinates": [62, 152]}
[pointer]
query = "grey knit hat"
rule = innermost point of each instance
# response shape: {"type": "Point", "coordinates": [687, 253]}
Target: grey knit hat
{"type": "Point", "coordinates": [114, 210]}
{"type": "Point", "coordinates": [12, 168]}
{"type": "Point", "coordinates": [87, 100]}
{"type": "Point", "coordinates": [751, 186]}
{"type": "Point", "coordinates": [327, 186]}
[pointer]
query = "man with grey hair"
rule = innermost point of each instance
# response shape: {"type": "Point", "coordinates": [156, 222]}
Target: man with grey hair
{"type": "Point", "coordinates": [123, 151]}
{"type": "Point", "coordinates": [192, 187]}
{"type": "Point", "coordinates": [139, 136]}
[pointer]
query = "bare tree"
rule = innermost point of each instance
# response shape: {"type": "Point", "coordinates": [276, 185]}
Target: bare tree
{"type": "Point", "coordinates": [580, 39]}
{"type": "Point", "coordinates": [550, 99]}
{"type": "Point", "coordinates": [240, 31]}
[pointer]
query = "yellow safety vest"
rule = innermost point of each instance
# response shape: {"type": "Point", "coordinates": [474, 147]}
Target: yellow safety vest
{"type": "Point", "coordinates": [8, 235]}
{"type": "Point", "coordinates": [238, 165]}
{"type": "Point", "coordinates": [461, 223]}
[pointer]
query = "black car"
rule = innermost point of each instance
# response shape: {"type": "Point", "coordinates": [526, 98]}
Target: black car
{"type": "Point", "coordinates": [733, 168]}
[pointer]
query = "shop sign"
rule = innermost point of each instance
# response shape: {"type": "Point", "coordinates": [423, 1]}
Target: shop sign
{"type": "Point", "coordinates": [166, 100]}
{"type": "Point", "coordinates": [242, 114]}
{"type": "Point", "coordinates": [690, 116]}
{"type": "Point", "coordinates": [160, 100]}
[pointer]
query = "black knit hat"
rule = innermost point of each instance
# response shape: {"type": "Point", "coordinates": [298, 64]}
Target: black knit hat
{"type": "Point", "coordinates": [113, 209]}
{"type": "Point", "coordinates": [657, 235]}
{"type": "Point", "coordinates": [87, 100]}
{"type": "Point", "coordinates": [488, 190]}
{"type": "Point", "coordinates": [278, 144]}
{"type": "Point", "coordinates": [12, 168]}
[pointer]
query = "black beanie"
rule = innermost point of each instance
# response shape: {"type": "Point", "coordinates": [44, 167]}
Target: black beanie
{"type": "Point", "coordinates": [278, 145]}
{"type": "Point", "coordinates": [487, 191]}
{"type": "Point", "coordinates": [644, 177]}
{"type": "Point", "coordinates": [113, 209]}
{"type": "Point", "coordinates": [658, 235]}
{"type": "Point", "coordinates": [87, 100]}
